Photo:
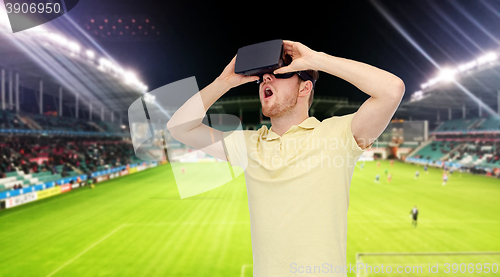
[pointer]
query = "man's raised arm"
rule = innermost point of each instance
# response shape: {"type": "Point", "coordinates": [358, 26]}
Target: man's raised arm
{"type": "Point", "coordinates": [386, 89]}
{"type": "Point", "coordinates": [186, 124]}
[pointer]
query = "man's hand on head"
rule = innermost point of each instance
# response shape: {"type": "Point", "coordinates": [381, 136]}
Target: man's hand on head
{"type": "Point", "coordinates": [302, 57]}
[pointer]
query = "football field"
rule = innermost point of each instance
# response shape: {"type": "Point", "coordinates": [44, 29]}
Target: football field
{"type": "Point", "coordinates": [137, 225]}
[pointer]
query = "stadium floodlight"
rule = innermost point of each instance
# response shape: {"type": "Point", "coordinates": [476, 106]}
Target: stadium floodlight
{"type": "Point", "coordinates": [467, 66]}
{"type": "Point", "coordinates": [118, 69]}
{"type": "Point", "coordinates": [74, 47]}
{"type": "Point", "coordinates": [489, 57]}
{"type": "Point", "coordinates": [149, 98]}
{"type": "Point", "coordinates": [90, 54]}
{"type": "Point", "coordinates": [417, 95]}
{"type": "Point", "coordinates": [447, 74]}
{"type": "Point", "coordinates": [37, 30]}
{"type": "Point", "coordinates": [129, 77]}
{"type": "Point", "coordinates": [59, 39]}
{"type": "Point", "coordinates": [431, 82]}
{"type": "Point", "coordinates": [142, 87]}
{"type": "Point", "coordinates": [102, 61]}
{"type": "Point", "coordinates": [103, 64]}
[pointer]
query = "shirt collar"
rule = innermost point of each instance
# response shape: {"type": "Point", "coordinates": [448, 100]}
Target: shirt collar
{"type": "Point", "coordinates": [310, 123]}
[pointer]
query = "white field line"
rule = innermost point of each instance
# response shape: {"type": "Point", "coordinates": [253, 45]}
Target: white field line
{"type": "Point", "coordinates": [141, 224]}
{"type": "Point", "coordinates": [243, 269]}
{"type": "Point", "coordinates": [87, 249]}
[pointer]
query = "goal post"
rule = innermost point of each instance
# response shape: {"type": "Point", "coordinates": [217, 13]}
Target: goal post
{"type": "Point", "coordinates": [428, 264]}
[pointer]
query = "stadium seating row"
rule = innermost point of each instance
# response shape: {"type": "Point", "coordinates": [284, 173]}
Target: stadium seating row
{"type": "Point", "coordinates": [435, 150]}
{"type": "Point", "coordinates": [49, 122]}
{"type": "Point", "coordinates": [58, 157]}
{"type": "Point", "coordinates": [465, 153]}
{"type": "Point", "coordinates": [479, 124]}
{"type": "Point", "coordinates": [9, 121]}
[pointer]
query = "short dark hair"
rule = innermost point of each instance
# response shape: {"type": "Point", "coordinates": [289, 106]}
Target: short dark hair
{"type": "Point", "coordinates": [315, 75]}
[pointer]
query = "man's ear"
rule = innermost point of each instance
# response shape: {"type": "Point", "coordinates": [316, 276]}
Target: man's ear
{"type": "Point", "coordinates": [305, 88]}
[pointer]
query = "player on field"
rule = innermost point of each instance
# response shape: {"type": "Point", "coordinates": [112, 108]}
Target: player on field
{"type": "Point", "coordinates": [416, 174]}
{"type": "Point", "coordinates": [445, 178]}
{"type": "Point", "coordinates": [414, 215]}
{"type": "Point", "coordinates": [377, 179]}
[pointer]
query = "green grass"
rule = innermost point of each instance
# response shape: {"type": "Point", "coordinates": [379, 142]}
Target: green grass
{"type": "Point", "coordinates": [462, 216]}
{"type": "Point", "coordinates": [137, 225]}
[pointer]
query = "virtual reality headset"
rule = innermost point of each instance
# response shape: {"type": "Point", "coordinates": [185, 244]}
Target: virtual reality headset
{"type": "Point", "coordinates": [265, 57]}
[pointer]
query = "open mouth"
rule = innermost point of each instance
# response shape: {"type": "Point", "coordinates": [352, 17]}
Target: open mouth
{"type": "Point", "coordinates": [267, 93]}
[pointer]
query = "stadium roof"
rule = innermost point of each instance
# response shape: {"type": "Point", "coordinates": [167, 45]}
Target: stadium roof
{"type": "Point", "coordinates": [472, 85]}
{"type": "Point", "coordinates": [43, 54]}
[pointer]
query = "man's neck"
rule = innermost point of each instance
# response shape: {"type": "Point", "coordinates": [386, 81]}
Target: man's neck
{"type": "Point", "coordinates": [281, 124]}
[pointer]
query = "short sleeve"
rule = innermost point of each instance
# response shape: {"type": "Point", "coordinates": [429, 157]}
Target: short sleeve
{"type": "Point", "coordinates": [235, 148]}
{"type": "Point", "coordinates": [340, 126]}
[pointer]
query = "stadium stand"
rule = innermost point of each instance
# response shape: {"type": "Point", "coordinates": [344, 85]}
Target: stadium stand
{"type": "Point", "coordinates": [435, 150]}
{"type": "Point", "coordinates": [108, 127]}
{"type": "Point", "coordinates": [456, 125]}
{"type": "Point", "coordinates": [49, 122]}
{"type": "Point", "coordinates": [9, 120]}
{"type": "Point", "coordinates": [482, 153]}
{"type": "Point", "coordinates": [471, 143]}
{"type": "Point", "coordinates": [28, 123]}
{"type": "Point", "coordinates": [29, 160]}
{"type": "Point", "coordinates": [489, 124]}
{"type": "Point", "coordinates": [464, 125]}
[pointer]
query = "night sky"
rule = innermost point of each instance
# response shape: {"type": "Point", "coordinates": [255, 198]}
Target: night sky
{"type": "Point", "coordinates": [200, 38]}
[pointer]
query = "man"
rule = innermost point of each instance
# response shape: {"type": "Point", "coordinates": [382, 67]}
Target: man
{"type": "Point", "coordinates": [414, 215]}
{"type": "Point", "coordinates": [416, 174]}
{"type": "Point", "coordinates": [445, 178]}
{"type": "Point", "coordinates": [299, 171]}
